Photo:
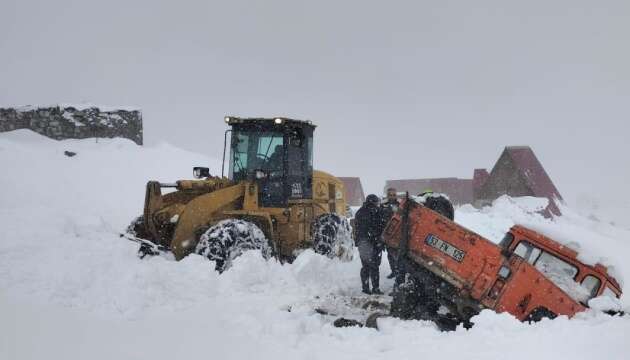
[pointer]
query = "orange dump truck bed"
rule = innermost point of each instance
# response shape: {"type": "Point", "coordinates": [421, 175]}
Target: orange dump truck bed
{"type": "Point", "coordinates": [461, 257]}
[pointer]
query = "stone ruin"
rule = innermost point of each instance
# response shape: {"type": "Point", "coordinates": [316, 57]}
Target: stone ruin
{"type": "Point", "coordinates": [74, 121]}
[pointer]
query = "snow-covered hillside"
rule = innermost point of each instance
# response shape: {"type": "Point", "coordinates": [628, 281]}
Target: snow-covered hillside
{"type": "Point", "coordinates": [70, 288]}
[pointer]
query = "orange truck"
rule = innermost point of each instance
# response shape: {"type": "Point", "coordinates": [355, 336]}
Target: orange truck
{"type": "Point", "coordinates": [449, 274]}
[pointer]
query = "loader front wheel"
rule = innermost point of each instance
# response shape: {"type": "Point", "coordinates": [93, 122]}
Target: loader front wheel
{"type": "Point", "coordinates": [332, 236]}
{"type": "Point", "coordinates": [227, 240]}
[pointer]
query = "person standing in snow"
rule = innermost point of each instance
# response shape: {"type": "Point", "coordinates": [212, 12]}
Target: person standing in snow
{"type": "Point", "coordinates": [389, 207]}
{"type": "Point", "coordinates": [369, 226]}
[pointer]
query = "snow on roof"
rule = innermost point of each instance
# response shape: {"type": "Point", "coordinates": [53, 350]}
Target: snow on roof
{"type": "Point", "coordinates": [80, 107]}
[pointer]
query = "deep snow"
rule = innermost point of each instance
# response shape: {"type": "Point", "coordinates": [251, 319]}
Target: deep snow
{"type": "Point", "coordinates": [70, 288]}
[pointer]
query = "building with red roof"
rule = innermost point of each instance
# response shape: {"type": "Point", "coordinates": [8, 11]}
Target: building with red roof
{"type": "Point", "coordinates": [518, 172]}
{"type": "Point", "coordinates": [354, 190]}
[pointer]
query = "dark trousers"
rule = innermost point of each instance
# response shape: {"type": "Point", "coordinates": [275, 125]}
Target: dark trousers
{"type": "Point", "coordinates": [392, 258]}
{"type": "Point", "coordinates": [370, 262]}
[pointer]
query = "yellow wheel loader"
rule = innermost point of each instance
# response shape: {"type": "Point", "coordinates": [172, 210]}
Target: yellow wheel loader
{"type": "Point", "coordinates": [272, 200]}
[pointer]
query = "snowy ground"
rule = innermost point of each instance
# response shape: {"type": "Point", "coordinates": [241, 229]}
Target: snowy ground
{"type": "Point", "coordinates": [70, 288]}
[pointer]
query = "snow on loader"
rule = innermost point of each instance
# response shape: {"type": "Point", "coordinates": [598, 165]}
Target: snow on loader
{"type": "Point", "coordinates": [272, 201]}
{"type": "Point", "coordinates": [449, 274]}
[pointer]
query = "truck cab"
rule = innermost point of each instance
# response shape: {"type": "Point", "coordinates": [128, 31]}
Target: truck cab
{"type": "Point", "coordinates": [560, 264]}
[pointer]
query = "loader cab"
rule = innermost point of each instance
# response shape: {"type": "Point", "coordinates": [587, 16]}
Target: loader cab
{"type": "Point", "coordinates": [275, 153]}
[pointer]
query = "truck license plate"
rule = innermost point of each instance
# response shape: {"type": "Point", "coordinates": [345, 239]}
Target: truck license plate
{"type": "Point", "coordinates": [445, 247]}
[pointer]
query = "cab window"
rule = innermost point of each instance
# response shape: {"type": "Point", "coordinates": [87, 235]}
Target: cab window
{"type": "Point", "coordinates": [256, 150]}
{"type": "Point", "coordinates": [551, 265]}
{"type": "Point", "coordinates": [507, 241]}
{"type": "Point", "coordinates": [555, 269]}
{"type": "Point", "coordinates": [270, 153]}
{"type": "Point", "coordinates": [591, 284]}
{"type": "Point", "coordinates": [527, 251]}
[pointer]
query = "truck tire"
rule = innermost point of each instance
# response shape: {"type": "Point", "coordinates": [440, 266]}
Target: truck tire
{"type": "Point", "coordinates": [406, 299]}
{"type": "Point", "coordinates": [441, 205]}
{"type": "Point", "coordinates": [227, 240]}
{"type": "Point", "coordinates": [332, 236]}
{"type": "Point", "coordinates": [540, 313]}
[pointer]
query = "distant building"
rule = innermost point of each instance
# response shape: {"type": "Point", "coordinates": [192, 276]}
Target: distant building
{"type": "Point", "coordinates": [480, 176]}
{"type": "Point", "coordinates": [519, 173]}
{"type": "Point", "coordinates": [460, 191]}
{"type": "Point", "coordinates": [354, 190]}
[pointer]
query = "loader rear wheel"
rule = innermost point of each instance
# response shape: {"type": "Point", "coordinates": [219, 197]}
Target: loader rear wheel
{"type": "Point", "coordinates": [227, 240]}
{"type": "Point", "coordinates": [332, 236]}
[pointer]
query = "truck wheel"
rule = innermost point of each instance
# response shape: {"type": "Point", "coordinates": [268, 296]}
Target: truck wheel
{"type": "Point", "coordinates": [441, 205]}
{"type": "Point", "coordinates": [538, 314]}
{"type": "Point", "coordinates": [406, 298]}
{"type": "Point", "coordinates": [227, 240]}
{"type": "Point", "coordinates": [332, 236]}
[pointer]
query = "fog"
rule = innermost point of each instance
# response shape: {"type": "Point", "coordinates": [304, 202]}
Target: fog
{"type": "Point", "coordinates": [398, 89]}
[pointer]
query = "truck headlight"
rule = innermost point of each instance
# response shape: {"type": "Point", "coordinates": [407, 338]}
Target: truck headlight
{"type": "Point", "coordinates": [278, 121]}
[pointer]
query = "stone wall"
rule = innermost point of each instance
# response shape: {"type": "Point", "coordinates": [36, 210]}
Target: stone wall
{"type": "Point", "coordinates": [74, 121]}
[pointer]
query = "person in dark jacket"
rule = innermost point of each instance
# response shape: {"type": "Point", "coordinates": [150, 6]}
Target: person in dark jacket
{"type": "Point", "coordinates": [390, 206]}
{"type": "Point", "coordinates": [369, 226]}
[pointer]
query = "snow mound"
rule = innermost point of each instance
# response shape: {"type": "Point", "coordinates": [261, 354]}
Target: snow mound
{"type": "Point", "coordinates": [71, 288]}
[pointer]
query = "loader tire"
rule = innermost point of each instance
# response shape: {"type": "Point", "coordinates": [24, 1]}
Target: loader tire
{"type": "Point", "coordinates": [332, 237]}
{"type": "Point", "coordinates": [227, 240]}
{"type": "Point", "coordinates": [441, 205]}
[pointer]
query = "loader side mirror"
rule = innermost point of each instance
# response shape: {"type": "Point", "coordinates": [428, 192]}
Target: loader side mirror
{"type": "Point", "coordinates": [201, 172]}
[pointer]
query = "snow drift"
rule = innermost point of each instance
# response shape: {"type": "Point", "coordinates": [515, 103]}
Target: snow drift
{"type": "Point", "coordinates": [71, 288]}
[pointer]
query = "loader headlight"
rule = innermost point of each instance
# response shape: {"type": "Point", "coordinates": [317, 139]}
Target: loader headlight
{"type": "Point", "coordinates": [260, 174]}
{"type": "Point", "coordinates": [278, 121]}
{"type": "Point", "coordinates": [227, 119]}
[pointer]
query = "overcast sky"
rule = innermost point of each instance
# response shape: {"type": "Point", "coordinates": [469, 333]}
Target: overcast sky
{"type": "Point", "coordinates": [398, 89]}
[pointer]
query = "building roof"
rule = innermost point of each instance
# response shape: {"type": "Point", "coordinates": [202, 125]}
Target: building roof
{"type": "Point", "coordinates": [530, 169]}
{"type": "Point", "coordinates": [460, 191]}
{"type": "Point", "coordinates": [354, 190]}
